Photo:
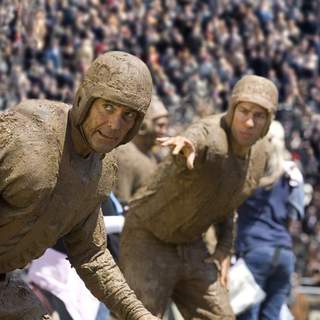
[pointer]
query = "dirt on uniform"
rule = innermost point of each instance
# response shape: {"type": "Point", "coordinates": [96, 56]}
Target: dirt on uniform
{"type": "Point", "coordinates": [49, 191]}
{"type": "Point", "coordinates": [169, 216]}
{"type": "Point", "coordinates": [134, 170]}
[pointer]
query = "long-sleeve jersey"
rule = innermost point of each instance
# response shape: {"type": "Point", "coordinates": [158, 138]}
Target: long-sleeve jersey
{"type": "Point", "coordinates": [48, 191]}
{"type": "Point", "coordinates": [179, 204]}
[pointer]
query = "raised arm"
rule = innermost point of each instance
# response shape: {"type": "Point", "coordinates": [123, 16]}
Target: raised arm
{"type": "Point", "coordinates": [189, 143]}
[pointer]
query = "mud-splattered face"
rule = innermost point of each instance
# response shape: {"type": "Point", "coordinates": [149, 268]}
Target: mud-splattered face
{"type": "Point", "coordinates": [249, 121]}
{"type": "Point", "coordinates": [107, 124]}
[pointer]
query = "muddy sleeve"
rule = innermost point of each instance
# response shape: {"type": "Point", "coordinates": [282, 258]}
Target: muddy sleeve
{"type": "Point", "coordinates": [87, 252]}
{"type": "Point", "coordinates": [23, 183]}
{"type": "Point", "coordinates": [226, 235]}
{"type": "Point", "coordinates": [198, 134]}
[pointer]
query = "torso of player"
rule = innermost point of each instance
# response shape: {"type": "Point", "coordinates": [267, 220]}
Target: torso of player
{"type": "Point", "coordinates": [61, 188]}
{"type": "Point", "coordinates": [179, 204]}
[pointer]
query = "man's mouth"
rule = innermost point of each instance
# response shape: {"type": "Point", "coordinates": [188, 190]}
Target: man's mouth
{"type": "Point", "coordinates": [108, 137]}
{"type": "Point", "coordinates": [246, 134]}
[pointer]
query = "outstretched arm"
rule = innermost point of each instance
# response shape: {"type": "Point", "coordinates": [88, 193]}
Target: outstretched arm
{"type": "Point", "coordinates": [190, 143]}
{"type": "Point", "coordinates": [181, 145]}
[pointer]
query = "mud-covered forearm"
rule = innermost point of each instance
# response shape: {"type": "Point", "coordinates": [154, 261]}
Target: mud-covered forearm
{"type": "Point", "coordinates": [226, 232]}
{"type": "Point", "coordinates": [104, 279]}
{"type": "Point", "coordinates": [197, 133]}
{"type": "Point", "coordinates": [87, 252]}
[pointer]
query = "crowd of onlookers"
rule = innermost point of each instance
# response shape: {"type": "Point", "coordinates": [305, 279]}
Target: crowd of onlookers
{"type": "Point", "coordinates": [196, 51]}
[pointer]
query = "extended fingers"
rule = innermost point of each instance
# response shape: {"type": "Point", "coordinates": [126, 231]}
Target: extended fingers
{"type": "Point", "coordinates": [164, 141]}
{"type": "Point", "coordinates": [178, 147]}
{"type": "Point", "coordinates": [190, 160]}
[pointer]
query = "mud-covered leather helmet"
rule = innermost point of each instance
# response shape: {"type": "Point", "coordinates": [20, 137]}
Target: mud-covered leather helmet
{"type": "Point", "coordinates": [118, 77]}
{"type": "Point", "coordinates": [256, 89]}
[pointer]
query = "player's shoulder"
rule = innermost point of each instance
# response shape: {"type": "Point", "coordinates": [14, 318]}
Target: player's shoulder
{"type": "Point", "coordinates": [218, 142]}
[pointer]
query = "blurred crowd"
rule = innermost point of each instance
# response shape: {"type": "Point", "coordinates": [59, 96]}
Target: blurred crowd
{"type": "Point", "coordinates": [196, 51]}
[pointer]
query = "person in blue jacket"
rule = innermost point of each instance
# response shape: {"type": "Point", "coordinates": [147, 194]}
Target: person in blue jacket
{"type": "Point", "coordinates": [263, 239]}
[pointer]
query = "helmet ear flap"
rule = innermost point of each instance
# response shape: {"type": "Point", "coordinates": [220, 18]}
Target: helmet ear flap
{"type": "Point", "coordinates": [145, 127]}
{"type": "Point", "coordinates": [271, 117]}
{"type": "Point", "coordinates": [81, 106]}
{"type": "Point", "coordinates": [77, 108]}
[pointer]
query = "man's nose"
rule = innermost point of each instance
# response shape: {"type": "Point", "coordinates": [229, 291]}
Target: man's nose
{"type": "Point", "coordinates": [114, 122]}
{"type": "Point", "coordinates": [249, 122]}
{"type": "Point", "coordinates": [162, 131]}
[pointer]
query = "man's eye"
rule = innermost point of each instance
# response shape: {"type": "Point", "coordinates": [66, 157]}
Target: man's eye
{"type": "Point", "coordinates": [260, 116]}
{"type": "Point", "coordinates": [244, 111]}
{"type": "Point", "coordinates": [108, 107]}
{"type": "Point", "coordinates": [131, 115]}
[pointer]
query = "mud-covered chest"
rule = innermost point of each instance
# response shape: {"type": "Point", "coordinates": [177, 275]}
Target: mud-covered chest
{"type": "Point", "coordinates": [233, 181]}
{"type": "Point", "coordinates": [82, 184]}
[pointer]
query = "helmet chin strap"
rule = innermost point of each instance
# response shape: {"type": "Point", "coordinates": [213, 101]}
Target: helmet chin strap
{"type": "Point", "coordinates": [84, 138]}
{"type": "Point", "coordinates": [79, 127]}
{"type": "Point", "coordinates": [267, 126]}
{"type": "Point", "coordinates": [79, 140]}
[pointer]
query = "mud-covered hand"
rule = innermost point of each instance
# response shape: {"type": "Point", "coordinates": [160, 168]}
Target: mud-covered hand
{"type": "Point", "coordinates": [222, 262]}
{"type": "Point", "coordinates": [225, 266]}
{"type": "Point", "coordinates": [181, 145]}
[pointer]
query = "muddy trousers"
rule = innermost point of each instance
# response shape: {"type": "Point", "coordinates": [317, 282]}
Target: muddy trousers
{"type": "Point", "coordinates": [17, 301]}
{"type": "Point", "coordinates": [158, 271]}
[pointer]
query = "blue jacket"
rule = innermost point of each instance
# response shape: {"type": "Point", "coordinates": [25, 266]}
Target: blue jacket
{"type": "Point", "coordinates": [263, 218]}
